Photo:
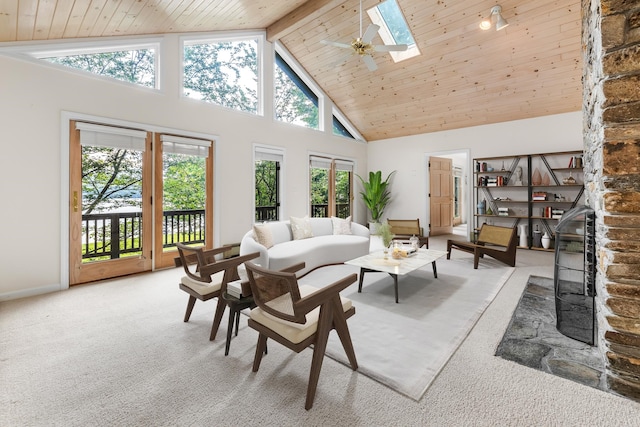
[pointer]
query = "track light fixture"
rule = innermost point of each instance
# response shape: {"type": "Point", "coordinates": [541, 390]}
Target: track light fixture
{"type": "Point", "coordinates": [496, 11]}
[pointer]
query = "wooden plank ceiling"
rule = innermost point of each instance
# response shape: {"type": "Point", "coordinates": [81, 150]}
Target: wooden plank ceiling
{"type": "Point", "coordinates": [463, 77]}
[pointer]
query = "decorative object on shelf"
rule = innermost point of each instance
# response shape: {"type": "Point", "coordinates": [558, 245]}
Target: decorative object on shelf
{"type": "Point", "coordinates": [503, 165]}
{"type": "Point", "coordinates": [518, 176]}
{"type": "Point", "coordinates": [481, 207]}
{"type": "Point", "coordinates": [489, 211]}
{"type": "Point", "coordinates": [536, 178]}
{"type": "Point", "coordinates": [523, 235]}
{"type": "Point", "coordinates": [570, 180]}
{"type": "Point", "coordinates": [545, 179]}
{"type": "Point", "coordinates": [537, 238]}
{"type": "Point", "coordinates": [546, 240]}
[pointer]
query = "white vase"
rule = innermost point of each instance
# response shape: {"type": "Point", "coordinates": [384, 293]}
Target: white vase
{"type": "Point", "coordinates": [546, 241]}
{"type": "Point", "coordinates": [373, 227]}
{"type": "Point", "coordinates": [523, 235]}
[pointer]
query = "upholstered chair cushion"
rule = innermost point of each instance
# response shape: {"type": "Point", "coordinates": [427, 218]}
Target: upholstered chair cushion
{"type": "Point", "coordinates": [204, 288]}
{"type": "Point", "coordinates": [294, 332]}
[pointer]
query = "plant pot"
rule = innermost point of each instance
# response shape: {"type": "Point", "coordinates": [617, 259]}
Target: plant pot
{"type": "Point", "coordinates": [373, 227]}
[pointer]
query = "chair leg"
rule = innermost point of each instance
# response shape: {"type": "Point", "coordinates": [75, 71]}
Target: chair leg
{"type": "Point", "coordinates": [340, 325]}
{"type": "Point", "coordinates": [237, 316]}
{"type": "Point", "coordinates": [448, 249]}
{"type": "Point", "coordinates": [217, 318]}
{"type": "Point", "coordinates": [322, 336]}
{"type": "Point", "coordinates": [261, 348]}
{"type": "Point", "coordinates": [190, 304]}
{"type": "Point", "coordinates": [232, 316]}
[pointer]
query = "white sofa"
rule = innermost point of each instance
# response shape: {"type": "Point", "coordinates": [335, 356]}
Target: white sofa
{"type": "Point", "coordinates": [323, 248]}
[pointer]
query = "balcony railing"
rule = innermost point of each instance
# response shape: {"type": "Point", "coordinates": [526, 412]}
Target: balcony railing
{"type": "Point", "coordinates": [266, 213]}
{"type": "Point", "coordinates": [100, 230]}
{"type": "Point", "coordinates": [322, 210]}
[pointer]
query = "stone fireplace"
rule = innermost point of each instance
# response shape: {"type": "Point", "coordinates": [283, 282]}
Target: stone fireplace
{"type": "Point", "coordinates": [611, 110]}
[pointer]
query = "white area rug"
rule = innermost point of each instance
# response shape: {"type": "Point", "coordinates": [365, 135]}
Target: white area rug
{"type": "Point", "coordinates": [405, 345]}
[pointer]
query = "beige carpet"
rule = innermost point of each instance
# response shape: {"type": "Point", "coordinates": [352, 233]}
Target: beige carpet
{"type": "Point", "coordinates": [118, 354]}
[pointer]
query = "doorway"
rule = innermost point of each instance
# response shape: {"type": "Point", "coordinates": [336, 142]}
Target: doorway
{"type": "Point", "coordinates": [459, 194]}
{"type": "Point", "coordinates": [115, 180]}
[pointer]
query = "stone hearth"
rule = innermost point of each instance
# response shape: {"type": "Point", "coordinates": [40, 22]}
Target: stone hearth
{"type": "Point", "coordinates": [532, 340]}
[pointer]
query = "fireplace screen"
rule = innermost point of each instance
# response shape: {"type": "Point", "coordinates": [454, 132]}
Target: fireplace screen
{"type": "Point", "coordinates": [574, 274]}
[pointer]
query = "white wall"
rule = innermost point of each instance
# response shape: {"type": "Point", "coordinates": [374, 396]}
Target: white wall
{"type": "Point", "coordinates": [35, 96]}
{"type": "Point", "coordinates": [408, 155]}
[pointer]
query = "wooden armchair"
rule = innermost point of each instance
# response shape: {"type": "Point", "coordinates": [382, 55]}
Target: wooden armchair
{"type": "Point", "coordinates": [405, 228]}
{"type": "Point", "coordinates": [299, 316]}
{"type": "Point", "coordinates": [207, 278]}
{"type": "Point", "coordinates": [497, 242]}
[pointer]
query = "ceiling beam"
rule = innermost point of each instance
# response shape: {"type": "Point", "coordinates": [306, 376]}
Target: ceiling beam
{"type": "Point", "coordinates": [295, 19]}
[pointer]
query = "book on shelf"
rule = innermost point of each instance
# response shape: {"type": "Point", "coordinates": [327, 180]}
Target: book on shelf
{"type": "Point", "coordinates": [503, 211]}
{"type": "Point", "coordinates": [539, 195]}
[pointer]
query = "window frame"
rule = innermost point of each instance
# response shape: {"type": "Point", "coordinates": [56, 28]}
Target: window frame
{"type": "Point", "coordinates": [259, 37]}
{"type": "Point", "coordinates": [93, 46]}
{"type": "Point", "coordinates": [276, 151]}
{"type": "Point", "coordinates": [331, 202]}
{"type": "Point", "coordinates": [387, 37]}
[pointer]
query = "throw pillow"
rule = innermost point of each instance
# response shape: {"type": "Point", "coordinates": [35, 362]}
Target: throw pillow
{"type": "Point", "coordinates": [341, 226]}
{"type": "Point", "coordinates": [301, 228]}
{"type": "Point", "coordinates": [263, 235]}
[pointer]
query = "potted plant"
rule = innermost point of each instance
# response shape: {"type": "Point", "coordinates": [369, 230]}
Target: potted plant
{"type": "Point", "coordinates": [376, 196]}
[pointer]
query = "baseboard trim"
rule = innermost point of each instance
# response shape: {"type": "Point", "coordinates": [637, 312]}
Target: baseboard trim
{"type": "Point", "coordinates": [23, 293]}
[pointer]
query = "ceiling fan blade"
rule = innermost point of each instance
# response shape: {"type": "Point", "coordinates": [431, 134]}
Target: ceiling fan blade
{"type": "Point", "coordinates": [337, 44]}
{"type": "Point", "coordinates": [370, 33]}
{"type": "Point", "coordinates": [390, 47]}
{"type": "Point", "coordinates": [370, 63]}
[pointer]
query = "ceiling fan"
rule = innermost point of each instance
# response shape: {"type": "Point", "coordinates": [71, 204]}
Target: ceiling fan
{"type": "Point", "coordinates": [363, 46]}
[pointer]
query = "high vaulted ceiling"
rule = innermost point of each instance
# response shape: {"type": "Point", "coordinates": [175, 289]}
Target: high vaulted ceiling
{"type": "Point", "coordinates": [463, 77]}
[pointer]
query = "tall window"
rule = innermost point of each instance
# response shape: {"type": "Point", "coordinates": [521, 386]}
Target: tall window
{"type": "Point", "coordinates": [295, 102]}
{"type": "Point", "coordinates": [133, 65]}
{"type": "Point", "coordinates": [331, 184]}
{"type": "Point", "coordinates": [184, 185]}
{"type": "Point", "coordinates": [222, 72]}
{"type": "Point", "coordinates": [267, 183]}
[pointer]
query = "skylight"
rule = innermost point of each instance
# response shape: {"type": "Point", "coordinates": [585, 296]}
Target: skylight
{"type": "Point", "coordinates": [394, 28]}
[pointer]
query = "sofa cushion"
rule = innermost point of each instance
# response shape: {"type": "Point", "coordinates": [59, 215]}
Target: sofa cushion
{"type": "Point", "coordinates": [341, 226]}
{"type": "Point", "coordinates": [263, 235]}
{"type": "Point", "coordinates": [301, 228]}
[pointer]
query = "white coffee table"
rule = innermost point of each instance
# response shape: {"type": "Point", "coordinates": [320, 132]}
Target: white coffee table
{"type": "Point", "coordinates": [375, 262]}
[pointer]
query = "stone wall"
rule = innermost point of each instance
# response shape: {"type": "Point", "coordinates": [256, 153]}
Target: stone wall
{"type": "Point", "coordinates": [611, 43]}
